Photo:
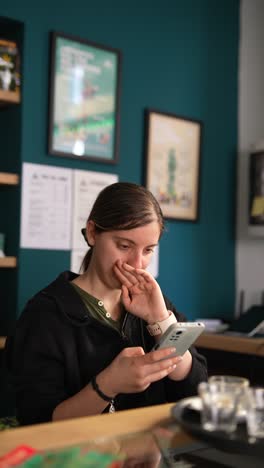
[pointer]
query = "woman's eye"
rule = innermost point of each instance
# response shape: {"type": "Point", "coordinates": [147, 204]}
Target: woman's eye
{"type": "Point", "coordinates": [149, 251]}
{"type": "Point", "coordinates": [124, 246]}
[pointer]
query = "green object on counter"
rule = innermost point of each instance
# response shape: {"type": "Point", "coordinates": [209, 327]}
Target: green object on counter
{"type": "Point", "coordinates": [36, 461]}
{"type": "Point", "coordinates": [71, 458]}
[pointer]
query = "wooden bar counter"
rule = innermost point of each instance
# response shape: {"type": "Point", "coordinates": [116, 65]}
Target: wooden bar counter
{"type": "Point", "coordinates": [231, 343]}
{"type": "Point", "coordinates": [51, 436]}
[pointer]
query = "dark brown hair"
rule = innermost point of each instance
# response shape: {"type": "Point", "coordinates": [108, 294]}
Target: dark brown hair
{"type": "Point", "coordinates": [123, 205]}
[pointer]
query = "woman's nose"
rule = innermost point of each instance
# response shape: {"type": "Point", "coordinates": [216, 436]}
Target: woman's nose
{"type": "Point", "coordinates": [136, 260]}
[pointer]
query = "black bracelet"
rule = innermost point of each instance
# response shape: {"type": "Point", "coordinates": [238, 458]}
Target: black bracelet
{"type": "Point", "coordinates": [99, 392]}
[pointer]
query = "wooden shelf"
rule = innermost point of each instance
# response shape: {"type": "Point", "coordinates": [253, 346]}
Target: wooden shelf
{"type": "Point", "coordinates": [2, 342]}
{"type": "Point", "coordinates": [8, 262]}
{"type": "Point", "coordinates": [9, 178]}
{"type": "Point", "coordinates": [11, 97]}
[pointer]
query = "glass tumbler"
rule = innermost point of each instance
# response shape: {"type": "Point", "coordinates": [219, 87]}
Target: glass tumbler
{"type": "Point", "coordinates": [219, 406]}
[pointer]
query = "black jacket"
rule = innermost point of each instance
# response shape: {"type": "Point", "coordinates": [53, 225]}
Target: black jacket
{"type": "Point", "coordinates": [57, 347]}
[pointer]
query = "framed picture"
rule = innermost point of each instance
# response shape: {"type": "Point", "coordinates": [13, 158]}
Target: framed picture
{"type": "Point", "coordinates": [256, 188]}
{"type": "Point", "coordinates": [173, 147]}
{"type": "Point", "coordinates": [84, 99]}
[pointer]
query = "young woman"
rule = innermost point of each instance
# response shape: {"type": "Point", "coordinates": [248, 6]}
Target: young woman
{"type": "Point", "coordinates": [81, 346]}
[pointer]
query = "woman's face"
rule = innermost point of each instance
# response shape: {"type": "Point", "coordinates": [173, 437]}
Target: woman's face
{"type": "Point", "coordinates": [134, 246]}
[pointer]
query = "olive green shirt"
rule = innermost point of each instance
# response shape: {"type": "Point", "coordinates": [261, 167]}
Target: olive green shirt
{"type": "Point", "coordinates": [96, 309]}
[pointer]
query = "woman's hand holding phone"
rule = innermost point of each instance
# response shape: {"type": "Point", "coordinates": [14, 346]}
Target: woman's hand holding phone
{"type": "Point", "coordinates": [132, 370]}
{"type": "Point", "coordinates": [142, 296]}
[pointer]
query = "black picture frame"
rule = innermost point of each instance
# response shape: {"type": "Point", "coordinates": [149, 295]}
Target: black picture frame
{"type": "Point", "coordinates": [256, 189]}
{"type": "Point", "coordinates": [84, 99]}
{"type": "Point", "coordinates": [172, 163]}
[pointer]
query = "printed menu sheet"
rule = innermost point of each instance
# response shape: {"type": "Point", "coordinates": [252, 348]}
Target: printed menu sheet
{"type": "Point", "coordinates": [46, 207]}
{"type": "Point", "coordinates": [86, 187]}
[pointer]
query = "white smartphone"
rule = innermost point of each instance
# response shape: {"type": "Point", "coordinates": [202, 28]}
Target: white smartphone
{"type": "Point", "coordinates": [181, 335]}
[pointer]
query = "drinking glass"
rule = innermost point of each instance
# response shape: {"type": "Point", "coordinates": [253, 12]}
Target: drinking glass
{"type": "Point", "coordinates": [230, 379]}
{"type": "Point", "coordinates": [240, 385]}
{"type": "Point", "coordinates": [255, 411]}
{"type": "Point", "coordinates": [219, 406]}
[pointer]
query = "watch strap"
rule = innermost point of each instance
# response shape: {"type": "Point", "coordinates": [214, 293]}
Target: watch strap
{"type": "Point", "coordinates": [158, 328]}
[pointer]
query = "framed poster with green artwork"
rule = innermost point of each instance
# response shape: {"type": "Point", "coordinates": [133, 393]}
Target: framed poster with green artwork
{"type": "Point", "coordinates": [84, 99]}
{"type": "Point", "coordinates": [173, 147]}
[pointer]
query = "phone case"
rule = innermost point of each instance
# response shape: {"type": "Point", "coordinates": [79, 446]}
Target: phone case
{"type": "Point", "coordinates": [181, 335]}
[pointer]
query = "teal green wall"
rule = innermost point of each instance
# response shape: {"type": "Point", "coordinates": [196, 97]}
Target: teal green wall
{"type": "Point", "coordinates": [179, 56]}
